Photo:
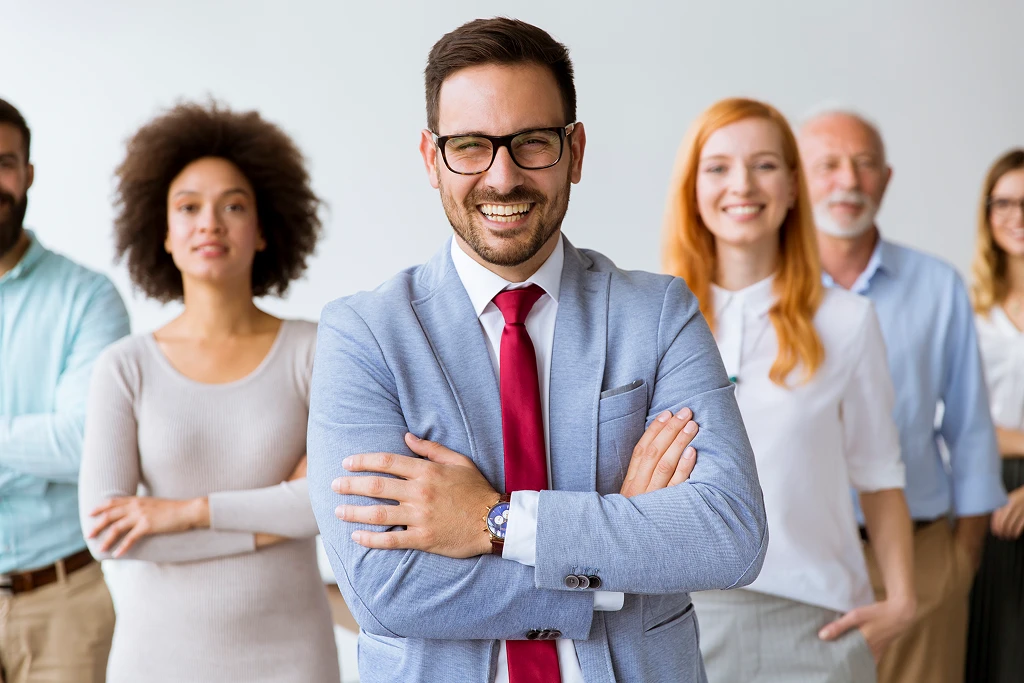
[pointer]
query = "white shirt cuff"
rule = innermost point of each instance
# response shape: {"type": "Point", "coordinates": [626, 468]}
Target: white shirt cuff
{"type": "Point", "coordinates": [607, 601]}
{"type": "Point", "coordinates": [521, 532]}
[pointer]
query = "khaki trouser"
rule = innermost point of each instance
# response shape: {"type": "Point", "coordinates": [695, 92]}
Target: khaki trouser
{"type": "Point", "coordinates": [59, 633]}
{"type": "Point", "coordinates": [933, 650]}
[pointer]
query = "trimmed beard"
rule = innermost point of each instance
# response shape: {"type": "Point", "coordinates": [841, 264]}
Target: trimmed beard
{"type": "Point", "coordinates": [515, 251]}
{"type": "Point", "coordinates": [827, 224]}
{"type": "Point", "coordinates": [12, 228]}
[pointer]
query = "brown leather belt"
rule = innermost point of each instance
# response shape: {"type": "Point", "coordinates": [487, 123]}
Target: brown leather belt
{"type": "Point", "coordinates": [23, 582]}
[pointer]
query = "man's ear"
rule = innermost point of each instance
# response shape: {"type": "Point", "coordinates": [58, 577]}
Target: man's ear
{"type": "Point", "coordinates": [428, 150]}
{"type": "Point", "coordinates": [31, 176]}
{"type": "Point", "coordinates": [577, 145]}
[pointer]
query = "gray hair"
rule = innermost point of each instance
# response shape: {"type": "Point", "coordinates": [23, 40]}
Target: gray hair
{"type": "Point", "coordinates": [838, 109]}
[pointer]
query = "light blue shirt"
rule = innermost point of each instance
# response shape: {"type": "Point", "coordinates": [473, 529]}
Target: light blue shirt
{"type": "Point", "coordinates": [55, 319]}
{"type": "Point", "coordinates": [928, 326]}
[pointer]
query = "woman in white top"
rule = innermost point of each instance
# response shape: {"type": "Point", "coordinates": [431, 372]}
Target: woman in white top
{"type": "Point", "coordinates": [813, 386]}
{"type": "Point", "coordinates": [994, 652]}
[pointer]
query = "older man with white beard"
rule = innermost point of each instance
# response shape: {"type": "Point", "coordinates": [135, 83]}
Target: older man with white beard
{"type": "Point", "coordinates": [933, 356]}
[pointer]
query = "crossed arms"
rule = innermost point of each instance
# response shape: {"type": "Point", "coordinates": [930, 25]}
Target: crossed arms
{"type": "Point", "coordinates": [708, 532]}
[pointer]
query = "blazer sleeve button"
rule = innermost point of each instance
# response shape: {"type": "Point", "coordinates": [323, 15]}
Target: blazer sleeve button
{"type": "Point", "coordinates": [584, 581]}
{"type": "Point", "coordinates": [533, 634]}
{"type": "Point", "coordinates": [554, 634]}
{"type": "Point", "coordinates": [572, 581]}
{"type": "Point", "coordinates": [595, 582]}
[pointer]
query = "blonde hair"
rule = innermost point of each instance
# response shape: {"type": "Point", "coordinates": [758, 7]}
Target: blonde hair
{"type": "Point", "coordinates": [689, 247]}
{"type": "Point", "coordinates": [988, 286]}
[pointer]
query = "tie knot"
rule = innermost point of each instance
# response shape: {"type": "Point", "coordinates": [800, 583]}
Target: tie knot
{"type": "Point", "coordinates": [515, 304]}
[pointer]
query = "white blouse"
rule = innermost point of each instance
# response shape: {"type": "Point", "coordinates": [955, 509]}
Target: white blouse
{"type": "Point", "coordinates": [1002, 355]}
{"type": "Point", "coordinates": [812, 441]}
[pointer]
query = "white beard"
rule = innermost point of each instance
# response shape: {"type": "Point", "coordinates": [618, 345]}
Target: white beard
{"type": "Point", "coordinates": [825, 222]}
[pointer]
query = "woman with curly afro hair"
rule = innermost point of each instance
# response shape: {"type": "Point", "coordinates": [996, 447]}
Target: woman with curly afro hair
{"type": "Point", "coordinates": [194, 460]}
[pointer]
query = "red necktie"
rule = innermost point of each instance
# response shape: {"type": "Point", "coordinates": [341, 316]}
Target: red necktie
{"type": "Point", "coordinates": [522, 430]}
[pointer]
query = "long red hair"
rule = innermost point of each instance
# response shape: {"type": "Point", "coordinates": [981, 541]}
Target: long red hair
{"type": "Point", "coordinates": [689, 247]}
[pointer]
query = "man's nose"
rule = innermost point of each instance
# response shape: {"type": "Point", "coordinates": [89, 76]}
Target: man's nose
{"type": "Point", "coordinates": [846, 175]}
{"type": "Point", "coordinates": [503, 176]}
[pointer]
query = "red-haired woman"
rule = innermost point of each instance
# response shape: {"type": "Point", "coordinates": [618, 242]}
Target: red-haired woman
{"type": "Point", "coordinates": [813, 387]}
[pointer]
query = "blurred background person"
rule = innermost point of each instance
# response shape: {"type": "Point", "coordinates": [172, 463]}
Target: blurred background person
{"type": "Point", "coordinates": [932, 349]}
{"type": "Point", "coordinates": [996, 633]}
{"type": "Point", "coordinates": [812, 384]}
{"type": "Point", "coordinates": [56, 618]}
{"type": "Point", "coordinates": [195, 444]}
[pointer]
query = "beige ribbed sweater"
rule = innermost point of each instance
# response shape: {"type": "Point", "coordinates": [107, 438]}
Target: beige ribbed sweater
{"type": "Point", "coordinates": [205, 605]}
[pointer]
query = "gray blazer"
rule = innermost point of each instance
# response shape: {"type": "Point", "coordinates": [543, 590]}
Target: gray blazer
{"type": "Point", "coordinates": [411, 356]}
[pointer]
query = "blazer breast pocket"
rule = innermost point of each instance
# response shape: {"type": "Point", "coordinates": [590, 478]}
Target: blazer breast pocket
{"type": "Point", "coordinates": [621, 416]}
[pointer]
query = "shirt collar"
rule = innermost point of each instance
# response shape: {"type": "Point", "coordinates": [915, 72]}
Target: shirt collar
{"type": "Point", "coordinates": [28, 260]}
{"type": "Point", "coordinates": [883, 260]}
{"type": "Point", "coordinates": [482, 284]}
{"type": "Point", "coordinates": [757, 298]}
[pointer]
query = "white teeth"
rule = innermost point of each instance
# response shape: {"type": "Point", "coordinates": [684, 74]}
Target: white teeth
{"type": "Point", "coordinates": [743, 210]}
{"type": "Point", "coordinates": [497, 211]}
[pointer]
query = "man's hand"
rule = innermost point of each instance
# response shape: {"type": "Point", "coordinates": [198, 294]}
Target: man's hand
{"type": "Point", "coordinates": [131, 517]}
{"type": "Point", "coordinates": [663, 457]}
{"type": "Point", "coordinates": [879, 623]}
{"type": "Point", "coordinates": [441, 500]}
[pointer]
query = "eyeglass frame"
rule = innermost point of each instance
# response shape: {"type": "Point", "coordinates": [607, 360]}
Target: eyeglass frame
{"type": "Point", "coordinates": [499, 141]}
{"type": "Point", "coordinates": [1014, 203]}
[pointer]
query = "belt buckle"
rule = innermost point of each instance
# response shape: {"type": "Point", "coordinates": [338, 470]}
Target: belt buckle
{"type": "Point", "coordinates": [6, 587]}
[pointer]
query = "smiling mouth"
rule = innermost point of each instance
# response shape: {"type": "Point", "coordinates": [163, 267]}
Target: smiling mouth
{"type": "Point", "coordinates": [745, 210]}
{"type": "Point", "coordinates": [505, 213]}
{"type": "Point", "coordinates": [211, 249]}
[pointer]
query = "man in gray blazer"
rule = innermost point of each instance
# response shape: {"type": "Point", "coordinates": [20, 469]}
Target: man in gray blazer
{"type": "Point", "coordinates": [530, 367]}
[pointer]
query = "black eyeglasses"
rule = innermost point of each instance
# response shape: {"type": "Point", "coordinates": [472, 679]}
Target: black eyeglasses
{"type": "Point", "coordinates": [1004, 206]}
{"type": "Point", "coordinates": [531, 150]}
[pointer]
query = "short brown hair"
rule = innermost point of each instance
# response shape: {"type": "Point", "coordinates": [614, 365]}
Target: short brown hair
{"type": "Point", "coordinates": [497, 41]}
{"type": "Point", "coordinates": [286, 206]}
{"type": "Point", "coordinates": [989, 286]}
{"type": "Point", "coordinates": [10, 115]}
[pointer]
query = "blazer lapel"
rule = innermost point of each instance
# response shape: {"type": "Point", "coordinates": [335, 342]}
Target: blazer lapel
{"type": "Point", "coordinates": [450, 324]}
{"type": "Point", "coordinates": [577, 371]}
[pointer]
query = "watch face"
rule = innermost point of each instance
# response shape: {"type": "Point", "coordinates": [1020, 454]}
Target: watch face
{"type": "Point", "coordinates": [497, 520]}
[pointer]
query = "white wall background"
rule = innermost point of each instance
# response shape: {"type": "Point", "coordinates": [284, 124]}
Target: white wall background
{"type": "Point", "coordinates": [944, 79]}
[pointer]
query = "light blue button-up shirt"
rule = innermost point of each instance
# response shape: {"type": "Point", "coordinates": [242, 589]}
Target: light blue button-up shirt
{"type": "Point", "coordinates": [928, 326]}
{"type": "Point", "coordinates": [55, 319]}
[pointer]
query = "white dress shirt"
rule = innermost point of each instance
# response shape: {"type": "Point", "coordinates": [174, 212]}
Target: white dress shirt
{"type": "Point", "coordinates": [521, 533]}
{"type": "Point", "coordinates": [1002, 355]}
{"type": "Point", "coordinates": [813, 440]}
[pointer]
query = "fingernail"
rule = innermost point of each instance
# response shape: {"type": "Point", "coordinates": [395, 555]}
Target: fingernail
{"type": "Point", "coordinates": [341, 511]}
{"type": "Point", "coordinates": [664, 417]}
{"type": "Point", "coordinates": [414, 437]}
{"type": "Point", "coordinates": [689, 452]}
{"type": "Point", "coordinates": [347, 462]}
{"type": "Point", "coordinates": [336, 485]}
{"type": "Point", "coordinates": [684, 414]}
{"type": "Point", "coordinates": [690, 428]}
{"type": "Point", "coordinates": [823, 634]}
{"type": "Point", "coordinates": [356, 536]}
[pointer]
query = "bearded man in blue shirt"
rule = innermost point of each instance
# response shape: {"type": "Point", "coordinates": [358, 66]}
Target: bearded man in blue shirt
{"type": "Point", "coordinates": [56, 616]}
{"type": "Point", "coordinates": [941, 400]}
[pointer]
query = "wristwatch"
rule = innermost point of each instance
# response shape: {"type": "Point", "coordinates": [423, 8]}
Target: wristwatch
{"type": "Point", "coordinates": [496, 520]}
